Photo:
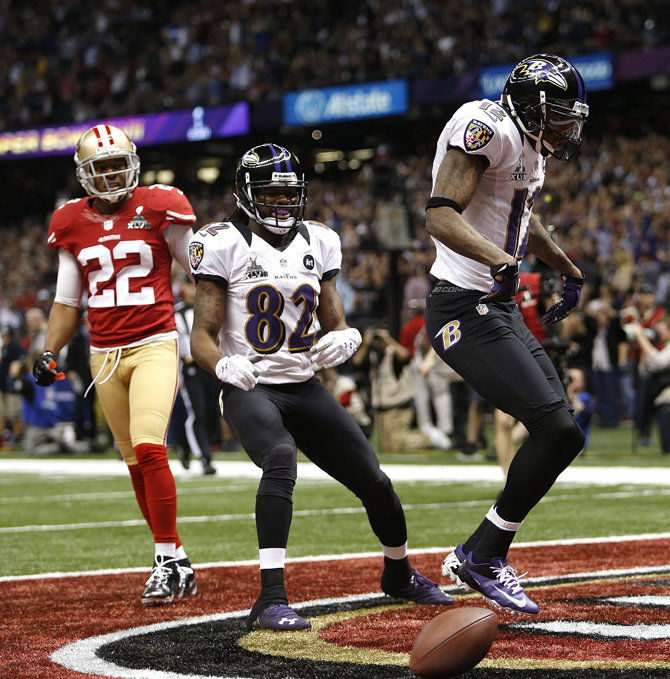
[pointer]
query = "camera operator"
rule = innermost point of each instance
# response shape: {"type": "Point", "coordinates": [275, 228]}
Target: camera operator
{"type": "Point", "coordinates": [655, 363]}
{"type": "Point", "coordinates": [392, 391]}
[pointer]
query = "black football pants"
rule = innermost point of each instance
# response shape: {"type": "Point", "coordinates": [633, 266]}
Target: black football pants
{"type": "Point", "coordinates": [273, 421]}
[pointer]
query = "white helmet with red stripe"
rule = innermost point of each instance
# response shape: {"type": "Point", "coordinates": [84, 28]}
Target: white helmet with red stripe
{"type": "Point", "coordinates": [103, 142]}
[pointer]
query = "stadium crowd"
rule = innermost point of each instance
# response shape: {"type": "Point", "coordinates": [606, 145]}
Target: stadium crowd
{"type": "Point", "coordinates": [610, 210]}
{"type": "Point", "coordinates": [73, 61]}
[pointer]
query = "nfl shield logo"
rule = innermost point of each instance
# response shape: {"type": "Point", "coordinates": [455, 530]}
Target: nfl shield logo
{"type": "Point", "coordinates": [195, 253]}
{"type": "Point", "coordinates": [283, 263]}
{"type": "Point", "coordinates": [482, 309]}
{"type": "Point", "coordinates": [477, 135]}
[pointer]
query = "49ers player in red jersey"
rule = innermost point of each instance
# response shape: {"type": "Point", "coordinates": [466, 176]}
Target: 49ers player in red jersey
{"type": "Point", "coordinates": [117, 245]}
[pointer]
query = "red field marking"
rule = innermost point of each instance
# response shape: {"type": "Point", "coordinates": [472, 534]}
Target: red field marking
{"type": "Point", "coordinates": [39, 616]}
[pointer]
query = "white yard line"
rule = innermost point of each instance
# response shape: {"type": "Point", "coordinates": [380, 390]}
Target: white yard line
{"type": "Point", "coordinates": [331, 511]}
{"type": "Point", "coordinates": [343, 557]}
{"type": "Point", "coordinates": [600, 476]}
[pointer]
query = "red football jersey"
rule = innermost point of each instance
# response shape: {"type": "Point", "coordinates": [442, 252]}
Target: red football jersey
{"type": "Point", "coordinates": [125, 261]}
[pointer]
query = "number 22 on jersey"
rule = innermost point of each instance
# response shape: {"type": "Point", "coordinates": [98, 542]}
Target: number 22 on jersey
{"type": "Point", "coordinates": [120, 294]}
{"type": "Point", "coordinates": [265, 331]}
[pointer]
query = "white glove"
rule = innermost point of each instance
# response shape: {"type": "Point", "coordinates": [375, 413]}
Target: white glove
{"type": "Point", "coordinates": [238, 371]}
{"type": "Point", "coordinates": [335, 347]}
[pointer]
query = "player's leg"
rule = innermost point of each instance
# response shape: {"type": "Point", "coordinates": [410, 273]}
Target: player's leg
{"type": "Point", "coordinates": [256, 419]}
{"type": "Point", "coordinates": [331, 438]}
{"type": "Point", "coordinates": [488, 347]}
{"type": "Point", "coordinates": [153, 378]}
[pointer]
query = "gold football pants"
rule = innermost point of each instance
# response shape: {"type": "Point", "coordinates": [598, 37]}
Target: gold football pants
{"type": "Point", "coordinates": [138, 397]}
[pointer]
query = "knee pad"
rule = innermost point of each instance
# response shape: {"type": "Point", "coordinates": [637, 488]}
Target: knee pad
{"type": "Point", "coordinates": [378, 494]}
{"type": "Point", "coordinates": [280, 470]}
{"type": "Point", "coordinates": [559, 433]}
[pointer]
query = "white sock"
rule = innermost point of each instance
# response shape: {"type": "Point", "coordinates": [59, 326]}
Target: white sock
{"type": "Point", "coordinates": [396, 553]}
{"type": "Point", "coordinates": [180, 553]}
{"type": "Point", "coordinates": [493, 516]}
{"type": "Point", "coordinates": [165, 550]}
{"type": "Point", "coordinates": [272, 557]}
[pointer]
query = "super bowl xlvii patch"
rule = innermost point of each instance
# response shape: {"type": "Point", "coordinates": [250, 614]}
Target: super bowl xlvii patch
{"type": "Point", "coordinates": [477, 135]}
{"type": "Point", "coordinates": [195, 253]}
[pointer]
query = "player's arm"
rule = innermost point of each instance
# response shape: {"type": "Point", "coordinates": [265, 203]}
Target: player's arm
{"type": "Point", "coordinates": [63, 322]}
{"type": "Point", "coordinates": [340, 342]}
{"type": "Point", "coordinates": [209, 307]}
{"type": "Point", "coordinates": [63, 318]}
{"type": "Point", "coordinates": [543, 247]}
{"type": "Point", "coordinates": [177, 237]}
{"type": "Point", "coordinates": [330, 311]}
{"type": "Point", "coordinates": [457, 180]}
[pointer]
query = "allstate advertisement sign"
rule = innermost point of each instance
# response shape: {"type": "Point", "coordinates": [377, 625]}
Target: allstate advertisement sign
{"type": "Point", "coordinates": [333, 104]}
{"type": "Point", "coordinates": [596, 69]}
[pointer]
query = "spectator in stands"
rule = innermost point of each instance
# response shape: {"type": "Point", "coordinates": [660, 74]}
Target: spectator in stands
{"type": "Point", "coordinates": [11, 422]}
{"type": "Point", "coordinates": [48, 414]}
{"type": "Point", "coordinates": [608, 354]}
{"type": "Point", "coordinates": [199, 391]}
{"type": "Point", "coordinates": [655, 362]}
{"type": "Point", "coordinates": [644, 310]}
{"type": "Point", "coordinates": [431, 395]}
{"type": "Point", "coordinates": [344, 389]}
{"type": "Point", "coordinates": [582, 401]}
{"type": "Point", "coordinates": [392, 391]}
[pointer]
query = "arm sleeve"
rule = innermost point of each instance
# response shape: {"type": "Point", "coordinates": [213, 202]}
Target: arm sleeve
{"type": "Point", "coordinates": [332, 254]}
{"type": "Point", "coordinates": [177, 237]}
{"type": "Point", "coordinates": [70, 281]}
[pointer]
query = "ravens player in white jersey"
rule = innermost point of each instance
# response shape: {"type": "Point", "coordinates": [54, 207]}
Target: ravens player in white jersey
{"type": "Point", "coordinates": [262, 277]}
{"type": "Point", "coordinates": [488, 171]}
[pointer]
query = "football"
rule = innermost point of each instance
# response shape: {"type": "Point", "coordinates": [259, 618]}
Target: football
{"type": "Point", "coordinates": [453, 642]}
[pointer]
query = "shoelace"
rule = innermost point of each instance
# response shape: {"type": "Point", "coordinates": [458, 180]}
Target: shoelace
{"type": "Point", "coordinates": [184, 572]}
{"type": "Point", "coordinates": [159, 575]}
{"type": "Point", "coordinates": [508, 577]}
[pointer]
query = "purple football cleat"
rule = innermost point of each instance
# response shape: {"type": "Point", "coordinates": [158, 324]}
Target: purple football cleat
{"type": "Point", "coordinates": [281, 618]}
{"type": "Point", "coordinates": [495, 581]}
{"type": "Point", "coordinates": [421, 590]}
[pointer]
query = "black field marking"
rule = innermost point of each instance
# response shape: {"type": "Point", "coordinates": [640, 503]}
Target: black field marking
{"type": "Point", "coordinates": [210, 649]}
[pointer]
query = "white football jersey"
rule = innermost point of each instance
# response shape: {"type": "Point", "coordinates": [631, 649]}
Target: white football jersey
{"type": "Point", "coordinates": [501, 206]}
{"type": "Point", "coordinates": [272, 294]}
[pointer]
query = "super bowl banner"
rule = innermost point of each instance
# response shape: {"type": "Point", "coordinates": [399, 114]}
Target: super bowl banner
{"type": "Point", "coordinates": [196, 124]}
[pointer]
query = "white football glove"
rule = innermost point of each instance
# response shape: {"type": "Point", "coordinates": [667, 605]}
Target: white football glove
{"type": "Point", "coordinates": [238, 371]}
{"type": "Point", "coordinates": [335, 347]}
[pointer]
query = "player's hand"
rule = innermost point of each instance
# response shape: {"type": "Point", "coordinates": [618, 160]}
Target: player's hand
{"type": "Point", "coordinates": [335, 347]}
{"type": "Point", "coordinates": [572, 290]}
{"type": "Point", "coordinates": [45, 370]}
{"type": "Point", "coordinates": [505, 283]}
{"type": "Point", "coordinates": [238, 371]}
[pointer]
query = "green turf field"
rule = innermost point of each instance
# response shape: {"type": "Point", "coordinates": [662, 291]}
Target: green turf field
{"type": "Point", "coordinates": [66, 523]}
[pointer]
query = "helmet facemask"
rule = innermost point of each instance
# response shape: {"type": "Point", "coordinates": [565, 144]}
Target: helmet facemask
{"type": "Point", "coordinates": [554, 126]}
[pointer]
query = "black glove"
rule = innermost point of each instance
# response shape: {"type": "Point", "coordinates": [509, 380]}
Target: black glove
{"type": "Point", "coordinates": [572, 290]}
{"type": "Point", "coordinates": [45, 370]}
{"type": "Point", "coordinates": [504, 289]}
